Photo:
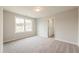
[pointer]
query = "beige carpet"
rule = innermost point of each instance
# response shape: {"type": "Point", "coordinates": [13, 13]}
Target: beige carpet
{"type": "Point", "coordinates": [39, 45]}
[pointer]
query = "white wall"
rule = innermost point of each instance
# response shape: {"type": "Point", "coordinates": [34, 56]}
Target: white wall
{"type": "Point", "coordinates": [66, 26]}
{"type": "Point", "coordinates": [9, 28]}
{"type": "Point", "coordinates": [1, 29]}
{"type": "Point", "coordinates": [42, 27]}
{"type": "Point", "coordinates": [78, 26]}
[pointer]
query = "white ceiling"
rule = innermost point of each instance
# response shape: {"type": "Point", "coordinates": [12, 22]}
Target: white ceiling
{"type": "Point", "coordinates": [45, 10]}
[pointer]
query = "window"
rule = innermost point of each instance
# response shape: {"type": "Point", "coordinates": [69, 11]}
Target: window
{"type": "Point", "coordinates": [23, 25]}
{"type": "Point", "coordinates": [28, 25]}
{"type": "Point", "coordinates": [19, 24]}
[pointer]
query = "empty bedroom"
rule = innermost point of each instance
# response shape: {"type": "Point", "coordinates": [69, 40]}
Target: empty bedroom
{"type": "Point", "coordinates": [40, 29]}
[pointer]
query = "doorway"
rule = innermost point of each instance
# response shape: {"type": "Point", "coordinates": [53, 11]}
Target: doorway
{"type": "Point", "coordinates": [51, 33]}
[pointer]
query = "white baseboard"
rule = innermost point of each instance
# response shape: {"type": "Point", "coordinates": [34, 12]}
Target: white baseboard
{"type": "Point", "coordinates": [8, 40]}
{"type": "Point", "coordinates": [67, 41]}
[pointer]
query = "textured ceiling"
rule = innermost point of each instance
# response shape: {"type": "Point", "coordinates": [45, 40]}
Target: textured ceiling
{"type": "Point", "coordinates": [29, 10]}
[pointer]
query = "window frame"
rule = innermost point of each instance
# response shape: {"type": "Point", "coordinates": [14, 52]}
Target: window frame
{"type": "Point", "coordinates": [24, 24]}
{"type": "Point", "coordinates": [31, 25]}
